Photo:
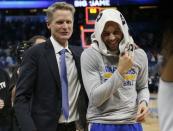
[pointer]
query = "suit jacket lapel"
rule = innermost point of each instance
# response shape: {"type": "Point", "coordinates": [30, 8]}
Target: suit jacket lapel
{"type": "Point", "coordinates": [51, 60]}
{"type": "Point", "coordinates": [76, 58]}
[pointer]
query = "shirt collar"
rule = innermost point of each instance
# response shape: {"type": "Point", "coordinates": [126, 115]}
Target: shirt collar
{"type": "Point", "coordinates": [57, 47]}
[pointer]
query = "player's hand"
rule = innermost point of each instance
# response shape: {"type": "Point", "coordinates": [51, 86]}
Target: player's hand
{"type": "Point", "coordinates": [125, 62]}
{"type": "Point", "coordinates": [142, 111]}
{"type": "Point", "coordinates": [1, 104]}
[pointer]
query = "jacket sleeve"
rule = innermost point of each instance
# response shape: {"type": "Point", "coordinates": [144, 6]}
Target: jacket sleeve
{"type": "Point", "coordinates": [142, 78]}
{"type": "Point", "coordinates": [24, 90]}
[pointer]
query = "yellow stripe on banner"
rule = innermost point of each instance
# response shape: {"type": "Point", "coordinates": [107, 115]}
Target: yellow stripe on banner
{"type": "Point", "coordinates": [107, 75]}
{"type": "Point", "coordinates": [130, 77]}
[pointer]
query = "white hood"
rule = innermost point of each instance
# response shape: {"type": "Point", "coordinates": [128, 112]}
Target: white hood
{"type": "Point", "coordinates": [103, 17]}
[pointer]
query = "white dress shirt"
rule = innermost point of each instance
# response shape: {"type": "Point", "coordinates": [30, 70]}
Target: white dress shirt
{"type": "Point", "coordinates": [73, 82]}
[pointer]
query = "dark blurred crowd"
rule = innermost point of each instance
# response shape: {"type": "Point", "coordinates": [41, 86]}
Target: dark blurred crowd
{"type": "Point", "coordinates": [20, 29]}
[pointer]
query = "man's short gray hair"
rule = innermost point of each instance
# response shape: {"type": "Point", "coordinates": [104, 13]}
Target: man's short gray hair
{"type": "Point", "coordinates": [58, 6]}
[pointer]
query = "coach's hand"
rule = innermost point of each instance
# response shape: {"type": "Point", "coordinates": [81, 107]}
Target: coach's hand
{"type": "Point", "coordinates": [1, 104]}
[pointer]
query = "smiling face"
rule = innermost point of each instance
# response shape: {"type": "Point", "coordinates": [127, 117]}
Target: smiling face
{"type": "Point", "coordinates": [112, 35]}
{"type": "Point", "coordinates": [61, 26]}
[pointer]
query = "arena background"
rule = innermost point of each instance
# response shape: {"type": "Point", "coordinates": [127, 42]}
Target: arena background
{"type": "Point", "coordinates": [20, 20]}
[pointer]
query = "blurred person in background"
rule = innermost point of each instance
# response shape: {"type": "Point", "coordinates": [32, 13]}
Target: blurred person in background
{"type": "Point", "coordinates": [37, 39]}
{"type": "Point", "coordinates": [21, 49]}
{"type": "Point", "coordinates": [5, 101]}
{"type": "Point", "coordinates": [115, 76]}
{"type": "Point", "coordinates": [41, 81]}
{"type": "Point", "coordinates": [165, 99]}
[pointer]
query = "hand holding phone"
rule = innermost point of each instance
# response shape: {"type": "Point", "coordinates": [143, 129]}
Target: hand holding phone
{"type": "Point", "coordinates": [130, 49]}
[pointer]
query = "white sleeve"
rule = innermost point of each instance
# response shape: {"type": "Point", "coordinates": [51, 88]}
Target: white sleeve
{"type": "Point", "coordinates": [142, 78]}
